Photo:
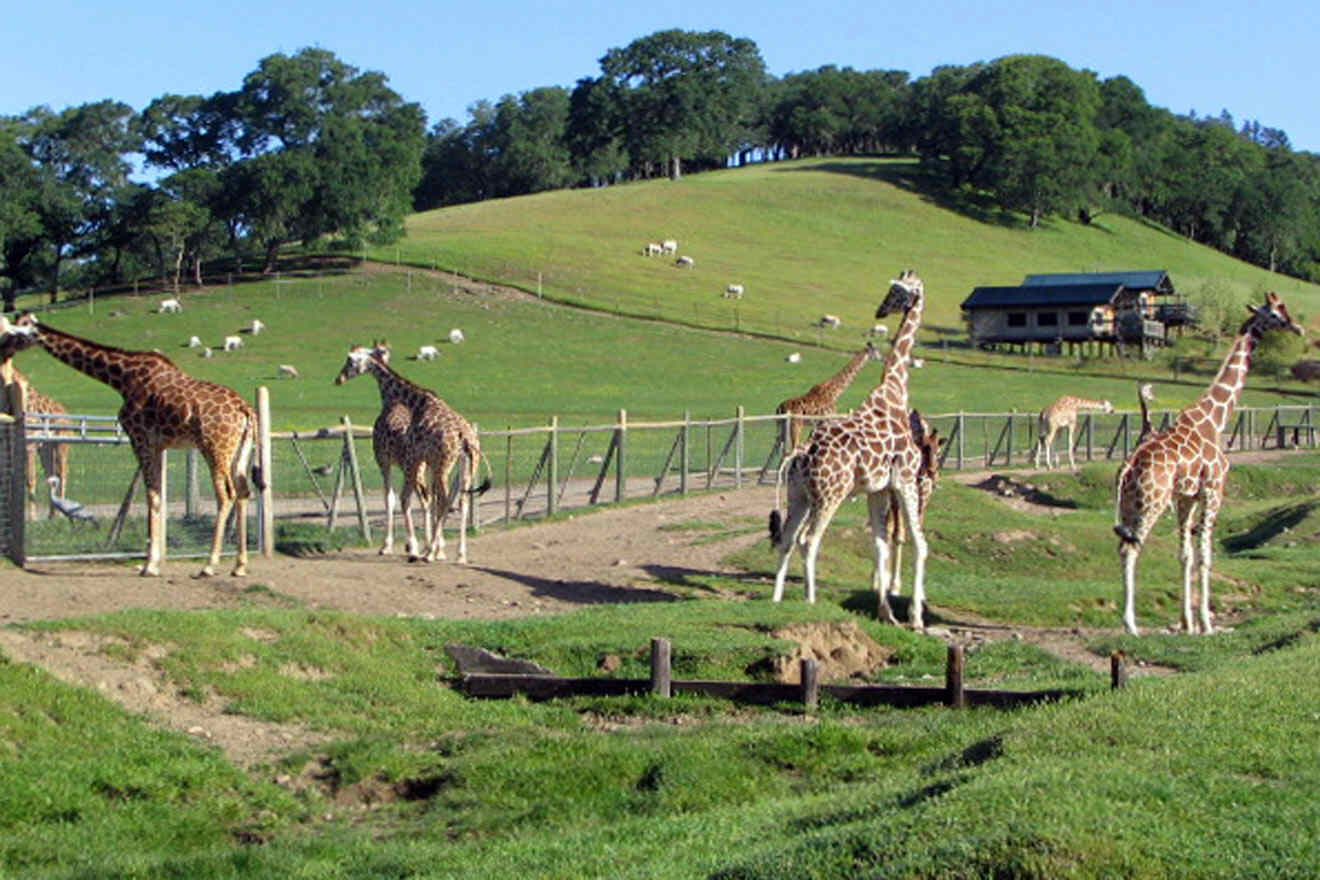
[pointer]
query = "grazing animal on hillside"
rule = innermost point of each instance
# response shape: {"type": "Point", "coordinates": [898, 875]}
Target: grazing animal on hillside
{"type": "Point", "coordinates": [288, 371]}
{"type": "Point", "coordinates": [669, 246]}
{"type": "Point", "coordinates": [831, 321]}
{"type": "Point", "coordinates": [164, 408]}
{"type": "Point", "coordinates": [170, 306]}
{"type": "Point", "coordinates": [456, 336]}
{"type": "Point", "coordinates": [734, 290]}
{"type": "Point", "coordinates": [1185, 464]}
{"type": "Point", "coordinates": [427, 353]}
{"type": "Point", "coordinates": [794, 358]}
{"type": "Point", "coordinates": [256, 326]}
{"type": "Point", "coordinates": [207, 352]}
{"type": "Point", "coordinates": [685, 262]}
{"type": "Point", "coordinates": [652, 249]}
{"type": "Point", "coordinates": [194, 342]}
{"type": "Point", "coordinates": [233, 343]}
{"type": "Point", "coordinates": [878, 330]}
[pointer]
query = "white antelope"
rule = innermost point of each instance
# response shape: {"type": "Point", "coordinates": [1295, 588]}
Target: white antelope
{"type": "Point", "coordinates": [170, 306]}
{"type": "Point", "coordinates": [456, 336]}
{"type": "Point", "coordinates": [427, 353]}
{"type": "Point", "coordinates": [256, 327]}
{"type": "Point", "coordinates": [669, 246]}
{"type": "Point", "coordinates": [651, 249]}
{"type": "Point", "coordinates": [233, 343]}
{"type": "Point", "coordinates": [686, 262]}
{"type": "Point", "coordinates": [194, 342]}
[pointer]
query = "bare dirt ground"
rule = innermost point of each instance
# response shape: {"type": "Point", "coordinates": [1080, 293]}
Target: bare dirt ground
{"type": "Point", "coordinates": [626, 554]}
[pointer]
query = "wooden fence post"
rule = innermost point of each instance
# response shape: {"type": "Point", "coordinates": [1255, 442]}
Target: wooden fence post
{"type": "Point", "coordinates": [1117, 670]}
{"type": "Point", "coordinates": [508, 477]}
{"type": "Point", "coordinates": [810, 675]}
{"type": "Point", "coordinates": [683, 453]}
{"type": "Point", "coordinates": [621, 473]}
{"type": "Point", "coordinates": [350, 451]}
{"type": "Point", "coordinates": [954, 695]}
{"type": "Point", "coordinates": [962, 433]}
{"type": "Point", "coordinates": [661, 681]}
{"type": "Point", "coordinates": [192, 491]}
{"type": "Point", "coordinates": [740, 426]}
{"type": "Point", "coordinates": [552, 469]}
{"type": "Point", "coordinates": [266, 493]}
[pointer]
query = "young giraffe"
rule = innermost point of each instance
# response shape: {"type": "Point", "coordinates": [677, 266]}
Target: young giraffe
{"type": "Point", "coordinates": [54, 456]}
{"type": "Point", "coordinates": [436, 438]}
{"type": "Point", "coordinates": [1186, 465]}
{"type": "Point", "coordinates": [1062, 413]}
{"type": "Point", "coordinates": [871, 451]}
{"type": "Point", "coordinates": [820, 400]}
{"type": "Point", "coordinates": [163, 408]}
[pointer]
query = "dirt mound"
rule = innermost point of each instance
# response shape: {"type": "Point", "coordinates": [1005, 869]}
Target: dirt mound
{"type": "Point", "coordinates": [841, 648]}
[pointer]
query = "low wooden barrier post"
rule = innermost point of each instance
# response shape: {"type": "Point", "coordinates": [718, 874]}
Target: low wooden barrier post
{"type": "Point", "coordinates": [661, 671]}
{"type": "Point", "coordinates": [1117, 669]}
{"type": "Point", "coordinates": [810, 673]}
{"type": "Point", "coordinates": [954, 694]}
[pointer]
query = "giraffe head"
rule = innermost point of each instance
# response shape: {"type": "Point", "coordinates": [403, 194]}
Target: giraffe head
{"type": "Point", "coordinates": [1273, 315]}
{"type": "Point", "coordinates": [16, 336]}
{"type": "Point", "coordinates": [358, 362]}
{"type": "Point", "coordinates": [903, 292]}
{"type": "Point", "coordinates": [1146, 391]}
{"type": "Point", "coordinates": [381, 350]}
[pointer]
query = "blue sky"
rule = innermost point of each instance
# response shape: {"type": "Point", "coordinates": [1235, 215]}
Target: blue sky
{"type": "Point", "coordinates": [1256, 60]}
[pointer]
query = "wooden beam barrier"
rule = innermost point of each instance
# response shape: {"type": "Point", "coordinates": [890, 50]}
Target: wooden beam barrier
{"type": "Point", "coordinates": [550, 687]}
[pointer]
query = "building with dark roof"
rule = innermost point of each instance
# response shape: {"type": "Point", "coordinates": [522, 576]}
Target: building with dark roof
{"type": "Point", "coordinates": [1054, 310]}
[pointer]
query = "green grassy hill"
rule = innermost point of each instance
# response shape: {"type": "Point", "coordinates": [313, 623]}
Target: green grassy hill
{"type": "Point", "coordinates": [805, 238]}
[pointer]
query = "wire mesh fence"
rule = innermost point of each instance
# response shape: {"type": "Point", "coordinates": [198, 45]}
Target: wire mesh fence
{"type": "Point", "coordinates": [326, 481]}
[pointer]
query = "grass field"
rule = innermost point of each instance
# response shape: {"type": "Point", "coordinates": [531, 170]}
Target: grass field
{"type": "Point", "coordinates": [1210, 772]}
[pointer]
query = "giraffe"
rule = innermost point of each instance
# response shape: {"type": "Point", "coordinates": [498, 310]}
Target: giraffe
{"type": "Point", "coordinates": [54, 456]}
{"type": "Point", "coordinates": [1062, 413]}
{"type": "Point", "coordinates": [388, 440]}
{"type": "Point", "coordinates": [929, 442]}
{"type": "Point", "coordinates": [434, 437]}
{"type": "Point", "coordinates": [820, 400]}
{"type": "Point", "coordinates": [871, 451]}
{"type": "Point", "coordinates": [1186, 465]}
{"type": "Point", "coordinates": [163, 408]}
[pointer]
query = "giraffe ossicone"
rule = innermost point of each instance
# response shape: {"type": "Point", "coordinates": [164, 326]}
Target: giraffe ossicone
{"type": "Point", "coordinates": [1185, 465]}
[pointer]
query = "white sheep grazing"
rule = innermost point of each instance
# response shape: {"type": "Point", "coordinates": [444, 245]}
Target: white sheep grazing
{"type": "Point", "coordinates": [171, 305]}
{"type": "Point", "coordinates": [669, 246]}
{"type": "Point", "coordinates": [256, 327]}
{"type": "Point", "coordinates": [734, 290]}
{"type": "Point", "coordinates": [288, 371]}
{"type": "Point", "coordinates": [651, 249]}
{"type": "Point", "coordinates": [918, 363]}
{"type": "Point", "coordinates": [794, 358]}
{"type": "Point", "coordinates": [233, 343]}
{"type": "Point", "coordinates": [194, 342]}
{"type": "Point", "coordinates": [686, 262]}
{"type": "Point", "coordinates": [878, 330]}
{"type": "Point", "coordinates": [206, 352]}
{"type": "Point", "coordinates": [427, 353]}
{"type": "Point", "coordinates": [830, 321]}
{"type": "Point", "coordinates": [456, 336]}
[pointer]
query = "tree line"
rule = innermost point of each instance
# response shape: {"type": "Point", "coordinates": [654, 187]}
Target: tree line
{"type": "Point", "coordinates": [310, 148]}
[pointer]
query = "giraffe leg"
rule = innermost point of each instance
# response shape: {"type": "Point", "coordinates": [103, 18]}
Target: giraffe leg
{"type": "Point", "coordinates": [798, 508]}
{"type": "Point", "coordinates": [1127, 554]}
{"type": "Point", "coordinates": [223, 484]}
{"type": "Point", "coordinates": [1072, 465]}
{"type": "Point", "coordinates": [153, 466]}
{"type": "Point", "coordinates": [441, 498]}
{"type": "Point", "coordinates": [912, 522]}
{"type": "Point", "coordinates": [405, 502]}
{"type": "Point", "coordinates": [878, 504]}
{"type": "Point", "coordinates": [466, 474]}
{"type": "Point", "coordinates": [240, 517]}
{"type": "Point", "coordinates": [390, 500]}
{"type": "Point", "coordinates": [1188, 512]}
{"type": "Point", "coordinates": [1206, 531]}
{"type": "Point", "coordinates": [814, 536]}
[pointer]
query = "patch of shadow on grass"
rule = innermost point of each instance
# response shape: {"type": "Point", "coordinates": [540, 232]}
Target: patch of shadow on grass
{"type": "Point", "coordinates": [582, 592]}
{"type": "Point", "coordinates": [1288, 640]}
{"type": "Point", "coordinates": [1279, 521]}
{"type": "Point", "coordinates": [979, 752]}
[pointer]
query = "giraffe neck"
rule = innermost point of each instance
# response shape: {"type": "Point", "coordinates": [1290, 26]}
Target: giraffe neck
{"type": "Point", "coordinates": [104, 363]}
{"type": "Point", "coordinates": [834, 388]}
{"type": "Point", "coordinates": [895, 384]}
{"type": "Point", "coordinates": [1087, 403]}
{"type": "Point", "coordinates": [1220, 399]}
{"type": "Point", "coordinates": [393, 387]}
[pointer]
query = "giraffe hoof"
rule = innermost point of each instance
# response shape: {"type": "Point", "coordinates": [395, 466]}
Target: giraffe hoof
{"type": "Point", "coordinates": [239, 572]}
{"type": "Point", "coordinates": [148, 571]}
{"type": "Point", "coordinates": [206, 572]}
{"type": "Point", "coordinates": [413, 557]}
{"type": "Point", "coordinates": [385, 550]}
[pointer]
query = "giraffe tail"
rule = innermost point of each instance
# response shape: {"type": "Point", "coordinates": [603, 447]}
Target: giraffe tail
{"type": "Point", "coordinates": [476, 456]}
{"type": "Point", "coordinates": [776, 527]}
